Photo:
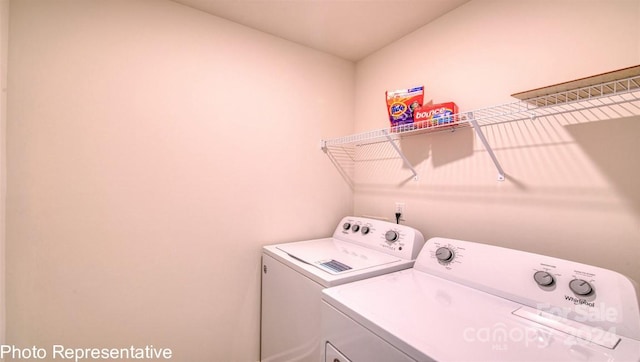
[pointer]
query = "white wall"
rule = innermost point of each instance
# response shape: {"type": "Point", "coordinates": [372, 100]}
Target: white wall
{"type": "Point", "coordinates": [4, 36]}
{"type": "Point", "coordinates": [152, 150]}
{"type": "Point", "coordinates": [571, 188]}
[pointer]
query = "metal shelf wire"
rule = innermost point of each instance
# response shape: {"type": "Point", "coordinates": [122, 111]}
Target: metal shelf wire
{"type": "Point", "coordinates": [616, 98]}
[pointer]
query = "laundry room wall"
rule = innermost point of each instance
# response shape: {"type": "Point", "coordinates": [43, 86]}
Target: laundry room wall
{"type": "Point", "coordinates": [569, 189]}
{"type": "Point", "coordinates": [152, 150]}
{"type": "Point", "coordinates": [4, 36]}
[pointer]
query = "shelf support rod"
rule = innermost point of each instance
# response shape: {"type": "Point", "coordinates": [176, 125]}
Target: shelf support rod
{"type": "Point", "coordinates": [399, 151]}
{"type": "Point", "coordinates": [487, 147]}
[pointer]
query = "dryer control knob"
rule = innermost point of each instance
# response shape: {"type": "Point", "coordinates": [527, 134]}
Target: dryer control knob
{"type": "Point", "coordinates": [580, 287]}
{"type": "Point", "coordinates": [391, 236]}
{"type": "Point", "coordinates": [346, 226]}
{"type": "Point", "coordinates": [364, 230]}
{"type": "Point", "coordinates": [355, 228]}
{"type": "Point", "coordinates": [543, 278]}
{"type": "Point", "coordinates": [444, 254]}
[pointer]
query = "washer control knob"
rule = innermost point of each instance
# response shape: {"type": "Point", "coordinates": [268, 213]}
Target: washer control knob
{"type": "Point", "coordinates": [543, 278]}
{"type": "Point", "coordinates": [580, 287]}
{"type": "Point", "coordinates": [346, 226]}
{"type": "Point", "coordinates": [355, 228]}
{"type": "Point", "coordinates": [364, 230]}
{"type": "Point", "coordinates": [444, 254]}
{"type": "Point", "coordinates": [391, 236]}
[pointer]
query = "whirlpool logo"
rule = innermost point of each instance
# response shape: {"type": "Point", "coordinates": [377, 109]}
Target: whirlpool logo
{"type": "Point", "coordinates": [578, 301]}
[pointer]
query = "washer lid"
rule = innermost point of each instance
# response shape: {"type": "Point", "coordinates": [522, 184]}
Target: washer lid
{"type": "Point", "coordinates": [430, 318]}
{"type": "Point", "coordinates": [336, 256]}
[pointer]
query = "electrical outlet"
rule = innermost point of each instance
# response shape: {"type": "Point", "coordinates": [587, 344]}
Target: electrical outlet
{"type": "Point", "coordinates": [399, 208]}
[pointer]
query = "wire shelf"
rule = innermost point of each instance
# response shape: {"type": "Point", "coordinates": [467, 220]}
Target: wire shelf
{"type": "Point", "coordinates": [606, 94]}
{"type": "Point", "coordinates": [615, 98]}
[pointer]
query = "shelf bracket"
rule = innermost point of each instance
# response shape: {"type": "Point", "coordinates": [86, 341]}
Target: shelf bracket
{"type": "Point", "coordinates": [399, 151]}
{"type": "Point", "coordinates": [487, 147]}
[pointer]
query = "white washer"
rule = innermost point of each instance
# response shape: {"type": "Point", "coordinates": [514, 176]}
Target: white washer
{"type": "Point", "coordinates": [294, 274]}
{"type": "Point", "coordinates": [464, 301]}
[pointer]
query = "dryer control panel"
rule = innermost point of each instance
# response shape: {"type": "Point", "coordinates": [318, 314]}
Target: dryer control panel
{"type": "Point", "coordinates": [399, 240]}
{"type": "Point", "coordinates": [587, 294]}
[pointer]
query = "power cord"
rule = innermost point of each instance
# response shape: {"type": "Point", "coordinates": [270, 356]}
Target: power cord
{"type": "Point", "coordinates": [398, 214]}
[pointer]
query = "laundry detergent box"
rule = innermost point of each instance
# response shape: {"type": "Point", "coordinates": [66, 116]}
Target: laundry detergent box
{"type": "Point", "coordinates": [401, 104]}
{"type": "Point", "coordinates": [431, 115]}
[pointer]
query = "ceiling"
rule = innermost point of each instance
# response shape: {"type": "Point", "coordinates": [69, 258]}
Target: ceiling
{"type": "Point", "coordinates": [350, 29]}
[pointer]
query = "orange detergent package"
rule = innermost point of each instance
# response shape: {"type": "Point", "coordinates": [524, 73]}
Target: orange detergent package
{"type": "Point", "coordinates": [431, 115]}
{"type": "Point", "coordinates": [401, 104]}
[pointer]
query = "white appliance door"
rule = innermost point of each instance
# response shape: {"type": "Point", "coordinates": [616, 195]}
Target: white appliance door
{"type": "Point", "coordinates": [290, 329]}
{"type": "Point", "coordinates": [355, 341]}
{"type": "Point", "coordinates": [335, 256]}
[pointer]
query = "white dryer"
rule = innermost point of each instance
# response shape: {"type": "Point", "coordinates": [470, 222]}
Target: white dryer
{"type": "Point", "coordinates": [465, 301]}
{"type": "Point", "coordinates": [294, 274]}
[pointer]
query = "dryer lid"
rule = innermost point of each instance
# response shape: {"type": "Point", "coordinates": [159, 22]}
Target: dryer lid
{"type": "Point", "coordinates": [336, 256]}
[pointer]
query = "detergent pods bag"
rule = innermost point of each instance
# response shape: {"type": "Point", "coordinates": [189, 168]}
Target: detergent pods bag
{"type": "Point", "coordinates": [402, 102]}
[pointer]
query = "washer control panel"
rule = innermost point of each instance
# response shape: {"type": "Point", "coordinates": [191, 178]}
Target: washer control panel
{"type": "Point", "coordinates": [395, 239]}
{"type": "Point", "coordinates": [583, 293]}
